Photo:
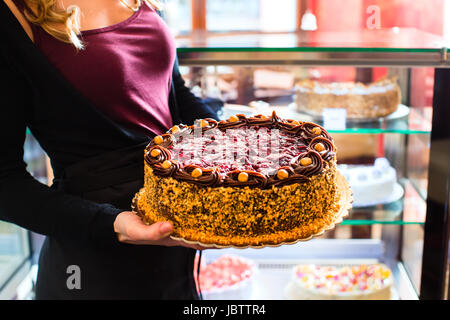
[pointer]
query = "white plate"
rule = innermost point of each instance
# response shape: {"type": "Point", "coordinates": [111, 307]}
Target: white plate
{"type": "Point", "coordinates": [290, 112]}
{"type": "Point", "coordinates": [401, 112]}
{"type": "Point", "coordinates": [394, 196]}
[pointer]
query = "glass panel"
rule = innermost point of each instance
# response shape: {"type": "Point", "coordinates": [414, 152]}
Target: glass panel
{"type": "Point", "coordinates": [263, 15]}
{"type": "Point", "coordinates": [13, 250]}
{"type": "Point", "coordinates": [412, 252]}
{"type": "Point", "coordinates": [381, 40]}
{"type": "Point", "coordinates": [262, 89]}
{"type": "Point", "coordinates": [226, 15]}
{"type": "Point", "coordinates": [14, 241]}
{"type": "Point", "coordinates": [177, 14]}
{"type": "Point", "coordinates": [316, 25]}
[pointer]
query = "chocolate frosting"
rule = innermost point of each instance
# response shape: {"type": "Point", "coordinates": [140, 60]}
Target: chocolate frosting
{"type": "Point", "coordinates": [329, 151]}
{"type": "Point", "coordinates": [255, 179]}
{"type": "Point", "coordinates": [210, 176]}
{"type": "Point", "coordinates": [309, 133]}
{"type": "Point", "coordinates": [310, 170]}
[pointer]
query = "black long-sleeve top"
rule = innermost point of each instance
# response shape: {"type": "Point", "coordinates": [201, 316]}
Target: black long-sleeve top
{"type": "Point", "coordinates": [69, 129]}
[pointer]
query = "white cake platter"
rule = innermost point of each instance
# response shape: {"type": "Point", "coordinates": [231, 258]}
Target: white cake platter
{"type": "Point", "coordinates": [401, 112]}
{"type": "Point", "coordinates": [396, 194]}
{"type": "Point", "coordinates": [290, 112]}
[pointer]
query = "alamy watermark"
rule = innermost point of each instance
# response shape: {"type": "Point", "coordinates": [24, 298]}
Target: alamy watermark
{"type": "Point", "coordinates": [374, 19]}
{"type": "Point", "coordinates": [73, 281]}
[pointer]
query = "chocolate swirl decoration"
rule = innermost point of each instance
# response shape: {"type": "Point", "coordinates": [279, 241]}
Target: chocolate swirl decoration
{"type": "Point", "coordinates": [311, 169]}
{"type": "Point", "coordinates": [159, 170]}
{"type": "Point", "coordinates": [260, 120]}
{"type": "Point", "coordinates": [210, 176]}
{"type": "Point", "coordinates": [310, 130]}
{"type": "Point", "coordinates": [293, 178]}
{"type": "Point", "coordinates": [242, 121]}
{"type": "Point", "coordinates": [211, 123]}
{"type": "Point", "coordinates": [164, 154]}
{"type": "Point", "coordinates": [329, 151]}
{"type": "Point", "coordinates": [255, 179]}
{"type": "Point", "coordinates": [290, 126]}
{"type": "Point", "coordinates": [168, 140]}
{"type": "Point", "coordinates": [182, 129]}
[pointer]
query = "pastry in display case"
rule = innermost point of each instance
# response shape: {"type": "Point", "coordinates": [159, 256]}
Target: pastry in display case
{"type": "Point", "coordinates": [227, 277]}
{"type": "Point", "coordinates": [348, 282]}
{"type": "Point", "coordinates": [278, 185]}
{"type": "Point", "coordinates": [372, 184]}
{"type": "Point", "coordinates": [361, 101]}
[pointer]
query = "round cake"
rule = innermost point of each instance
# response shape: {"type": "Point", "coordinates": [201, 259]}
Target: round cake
{"type": "Point", "coordinates": [245, 181]}
{"type": "Point", "coordinates": [228, 277]}
{"type": "Point", "coordinates": [377, 99]}
{"type": "Point", "coordinates": [357, 282]}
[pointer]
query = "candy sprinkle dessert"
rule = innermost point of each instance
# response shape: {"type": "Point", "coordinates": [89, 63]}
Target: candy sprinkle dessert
{"type": "Point", "coordinates": [244, 181]}
{"type": "Point", "coordinates": [357, 282]}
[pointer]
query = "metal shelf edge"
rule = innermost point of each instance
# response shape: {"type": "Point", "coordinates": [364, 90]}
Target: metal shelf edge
{"type": "Point", "coordinates": [310, 58]}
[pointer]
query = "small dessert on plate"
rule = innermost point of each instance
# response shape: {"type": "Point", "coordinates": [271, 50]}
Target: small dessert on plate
{"type": "Point", "coordinates": [228, 277]}
{"type": "Point", "coordinates": [372, 184]}
{"type": "Point", "coordinates": [352, 282]}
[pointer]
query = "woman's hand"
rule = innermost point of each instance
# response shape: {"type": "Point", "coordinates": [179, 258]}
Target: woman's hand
{"type": "Point", "coordinates": [131, 229]}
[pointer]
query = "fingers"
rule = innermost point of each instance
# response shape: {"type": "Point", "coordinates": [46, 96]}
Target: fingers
{"type": "Point", "coordinates": [143, 232]}
{"type": "Point", "coordinates": [131, 229]}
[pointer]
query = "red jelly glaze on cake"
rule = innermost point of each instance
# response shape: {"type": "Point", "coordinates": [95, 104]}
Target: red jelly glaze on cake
{"type": "Point", "coordinates": [212, 153]}
{"type": "Point", "coordinates": [210, 150]}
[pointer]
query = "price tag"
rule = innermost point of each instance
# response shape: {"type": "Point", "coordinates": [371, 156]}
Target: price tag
{"type": "Point", "coordinates": [334, 119]}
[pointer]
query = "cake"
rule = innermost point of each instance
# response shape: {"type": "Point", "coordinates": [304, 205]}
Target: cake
{"type": "Point", "coordinates": [377, 99]}
{"type": "Point", "coordinates": [370, 184]}
{"type": "Point", "coordinates": [356, 282]}
{"type": "Point", "coordinates": [228, 277]}
{"type": "Point", "coordinates": [245, 181]}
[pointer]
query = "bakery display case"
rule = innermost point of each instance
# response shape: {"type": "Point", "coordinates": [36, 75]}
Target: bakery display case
{"type": "Point", "coordinates": [381, 94]}
{"type": "Point", "coordinates": [18, 245]}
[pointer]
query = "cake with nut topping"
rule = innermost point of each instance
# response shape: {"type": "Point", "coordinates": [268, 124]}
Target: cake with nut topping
{"type": "Point", "coordinates": [245, 181]}
{"type": "Point", "coordinates": [376, 99]}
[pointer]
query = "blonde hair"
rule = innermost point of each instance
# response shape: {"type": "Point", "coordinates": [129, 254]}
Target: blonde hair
{"type": "Point", "coordinates": [50, 17]}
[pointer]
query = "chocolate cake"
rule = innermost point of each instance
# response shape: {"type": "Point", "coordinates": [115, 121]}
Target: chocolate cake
{"type": "Point", "coordinates": [245, 181]}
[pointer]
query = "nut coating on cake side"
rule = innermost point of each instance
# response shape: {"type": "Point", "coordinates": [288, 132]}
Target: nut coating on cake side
{"type": "Point", "coordinates": [246, 181]}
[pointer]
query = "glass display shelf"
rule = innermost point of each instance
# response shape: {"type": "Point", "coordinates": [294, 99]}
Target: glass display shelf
{"type": "Point", "coordinates": [413, 121]}
{"type": "Point", "coordinates": [410, 209]}
{"type": "Point", "coordinates": [390, 46]}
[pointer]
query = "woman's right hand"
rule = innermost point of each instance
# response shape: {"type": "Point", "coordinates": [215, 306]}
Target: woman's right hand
{"type": "Point", "coordinates": [131, 229]}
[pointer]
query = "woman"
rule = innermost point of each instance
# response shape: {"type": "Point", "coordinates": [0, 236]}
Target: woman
{"type": "Point", "coordinates": [93, 81]}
